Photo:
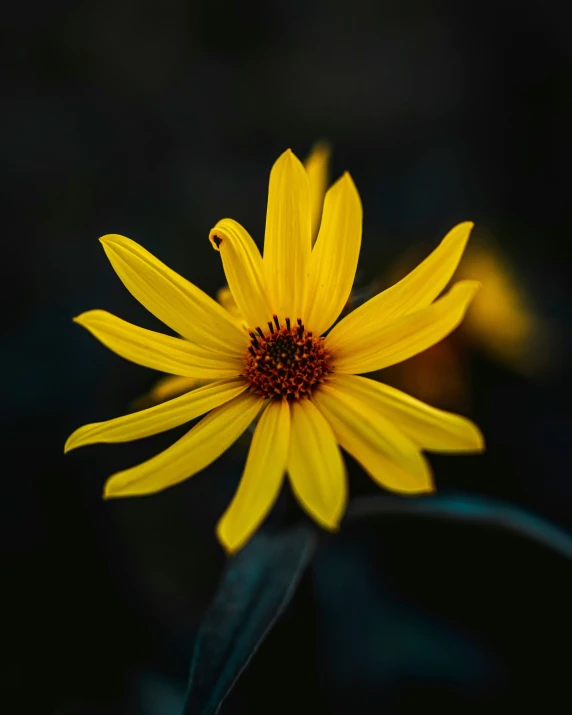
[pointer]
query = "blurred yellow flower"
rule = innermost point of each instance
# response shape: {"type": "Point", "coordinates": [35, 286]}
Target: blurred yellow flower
{"type": "Point", "coordinates": [502, 320]}
{"type": "Point", "coordinates": [302, 388]}
{"type": "Point", "coordinates": [501, 323]}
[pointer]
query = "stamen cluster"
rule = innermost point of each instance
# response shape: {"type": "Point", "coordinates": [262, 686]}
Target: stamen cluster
{"type": "Point", "coordinates": [285, 361]}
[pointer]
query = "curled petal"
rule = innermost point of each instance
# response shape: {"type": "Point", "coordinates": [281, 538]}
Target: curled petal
{"type": "Point", "coordinates": [242, 264]}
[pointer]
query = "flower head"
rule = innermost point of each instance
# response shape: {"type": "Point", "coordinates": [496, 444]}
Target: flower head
{"type": "Point", "coordinates": [277, 360]}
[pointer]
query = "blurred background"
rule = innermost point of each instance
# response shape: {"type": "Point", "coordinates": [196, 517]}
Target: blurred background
{"type": "Point", "coordinates": [156, 120]}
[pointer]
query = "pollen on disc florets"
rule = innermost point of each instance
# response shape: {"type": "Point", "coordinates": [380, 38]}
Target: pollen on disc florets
{"type": "Point", "coordinates": [285, 360]}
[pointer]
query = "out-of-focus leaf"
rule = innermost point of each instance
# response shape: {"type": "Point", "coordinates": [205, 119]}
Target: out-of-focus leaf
{"type": "Point", "coordinates": [467, 508]}
{"type": "Point", "coordinates": [256, 587]}
{"type": "Point", "coordinates": [377, 641]}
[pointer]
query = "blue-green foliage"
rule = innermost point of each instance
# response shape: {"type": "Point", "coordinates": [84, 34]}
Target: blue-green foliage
{"type": "Point", "coordinates": [379, 638]}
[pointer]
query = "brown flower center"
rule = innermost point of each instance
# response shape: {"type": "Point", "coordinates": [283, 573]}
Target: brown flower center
{"type": "Point", "coordinates": [285, 361]}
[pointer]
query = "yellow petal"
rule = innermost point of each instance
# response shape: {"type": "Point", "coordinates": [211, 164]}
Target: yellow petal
{"type": "Point", "coordinates": [317, 168]}
{"type": "Point", "coordinates": [204, 443]}
{"type": "Point", "coordinates": [388, 456]}
{"type": "Point", "coordinates": [171, 386]}
{"type": "Point", "coordinates": [157, 351]}
{"type": "Point", "coordinates": [287, 241]}
{"type": "Point", "coordinates": [261, 479]}
{"type": "Point", "coordinates": [334, 259]}
{"type": "Point", "coordinates": [430, 428]}
{"type": "Point", "coordinates": [242, 264]}
{"type": "Point", "coordinates": [401, 339]}
{"type": "Point", "coordinates": [175, 301]}
{"type": "Point", "coordinates": [160, 418]}
{"type": "Point", "coordinates": [315, 466]}
{"type": "Point", "coordinates": [416, 291]}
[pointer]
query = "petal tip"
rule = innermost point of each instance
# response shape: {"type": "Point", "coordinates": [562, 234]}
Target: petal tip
{"type": "Point", "coordinates": [345, 189]}
{"type": "Point", "coordinates": [351, 185]}
{"type": "Point", "coordinates": [79, 319]}
{"type": "Point", "coordinates": [288, 158]}
{"type": "Point", "coordinates": [112, 238]}
{"type": "Point", "coordinates": [464, 227]}
{"type": "Point", "coordinates": [84, 318]}
{"type": "Point", "coordinates": [69, 445]}
{"type": "Point", "coordinates": [332, 521]}
{"type": "Point", "coordinates": [107, 240]}
{"type": "Point", "coordinates": [332, 525]}
{"type": "Point", "coordinates": [471, 287]}
{"type": "Point", "coordinates": [466, 290]}
{"type": "Point", "coordinates": [459, 235]}
{"type": "Point", "coordinates": [231, 546]}
{"type": "Point", "coordinates": [418, 485]}
{"type": "Point", "coordinates": [215, 239]}
{"type": "Point", "coordinates": [479, 444]}
{"type": "Point", "coordinates": [110, 491]}
{"type": "Point", "coordinates": [426, 487]}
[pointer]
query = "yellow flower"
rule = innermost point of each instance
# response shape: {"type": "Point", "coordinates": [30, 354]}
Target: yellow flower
{"type": "Point", "coordinates": [301, 387]}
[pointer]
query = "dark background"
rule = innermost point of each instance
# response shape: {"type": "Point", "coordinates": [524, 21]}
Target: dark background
{"type": "Point", "coordinates": [154, 120]}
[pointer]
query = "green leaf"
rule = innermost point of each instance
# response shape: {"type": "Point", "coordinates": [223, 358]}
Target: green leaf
{"type": "Point", "coordinates": [256, 587]}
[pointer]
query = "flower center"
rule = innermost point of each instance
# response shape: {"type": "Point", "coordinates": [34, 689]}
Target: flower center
{"type": "Point", "coordinates": [285, 361]}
